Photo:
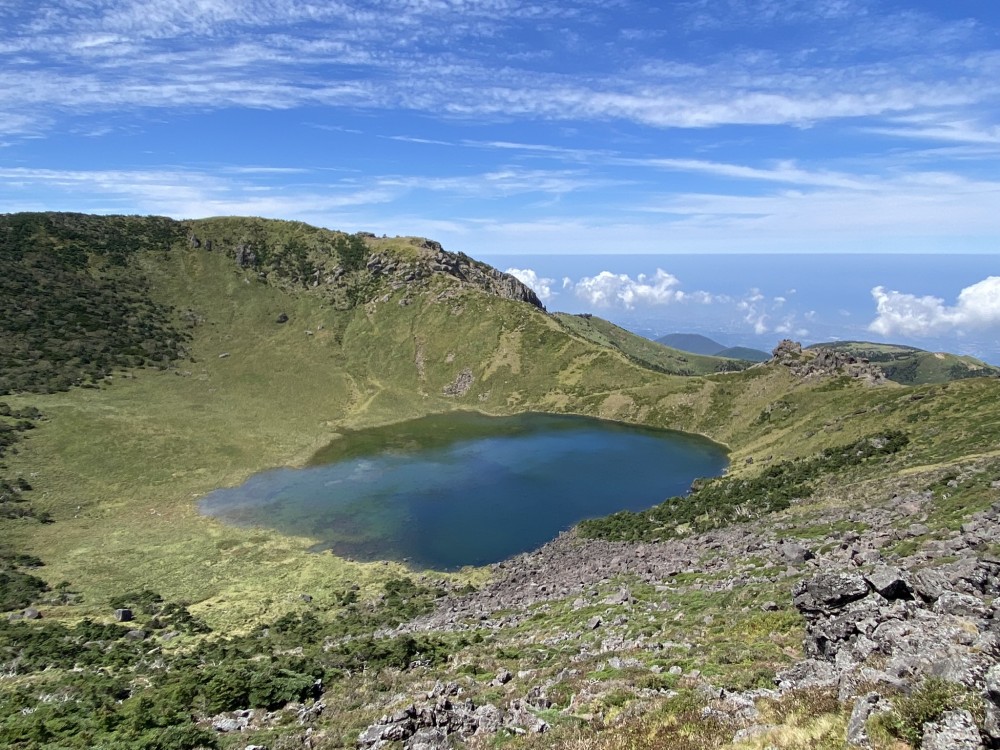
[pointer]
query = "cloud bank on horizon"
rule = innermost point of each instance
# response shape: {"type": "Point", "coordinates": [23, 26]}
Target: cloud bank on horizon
{"type": "Point", "coordinates": [977, 307]}
{"type": "Point", "coordinates": [576, 126]}
{"type": "Point", "coordinates": [616, 292]}
{"type": "Point", "coordinates": [897, 314]}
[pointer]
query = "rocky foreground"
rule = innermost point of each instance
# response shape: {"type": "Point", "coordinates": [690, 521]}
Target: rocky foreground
{"type": "Point", "coordinates": [889, 607]}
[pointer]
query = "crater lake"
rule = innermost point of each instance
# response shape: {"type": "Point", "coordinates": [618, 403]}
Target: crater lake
{"type": "Point", "coordinates": [462, 488]}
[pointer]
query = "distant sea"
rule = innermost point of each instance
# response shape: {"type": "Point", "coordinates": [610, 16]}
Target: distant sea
{"type": "Point", "coordinates": [759, 299]}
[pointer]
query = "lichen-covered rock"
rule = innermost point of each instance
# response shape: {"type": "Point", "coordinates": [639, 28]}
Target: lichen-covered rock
{"type": "Point", "coordinates": [829, 591]}
{"type": "Point", "coordinates": [857, 734]}
{"type": "Point", "coordinates": [956, 730]}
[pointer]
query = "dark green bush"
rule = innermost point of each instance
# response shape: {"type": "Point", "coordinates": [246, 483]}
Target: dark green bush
{"type": "Point", "coordinates": [719, 502]}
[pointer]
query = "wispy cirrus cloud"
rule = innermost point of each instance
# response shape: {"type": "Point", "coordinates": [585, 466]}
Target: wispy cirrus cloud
{"type": "Point", "coordinates": [181, 193]}
{"type": "Point", "coordinates": [283, 54]}
{"type": "Point", "coordinates": [938, 128]}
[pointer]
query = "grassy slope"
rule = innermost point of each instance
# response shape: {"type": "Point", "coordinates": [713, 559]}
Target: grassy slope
{"type": "Point", "coordinates": [651, 354]}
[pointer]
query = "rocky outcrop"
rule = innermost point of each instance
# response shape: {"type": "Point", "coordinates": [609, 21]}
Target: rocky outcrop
{"type": "Point", "coordinates": [875, 634]}
{"type": "Point", "coordinates": [428, 724]}
{"type": "Point", "coordinates": [245, 256]}
{"type": "Point", "coordinates": [819, 362]}
{"type": "Point", "coordinates": [414, 265]}
{"type": "Point", "coordinates": [461, 384]}
{"type": "Point", "coordinates": [458, 266]}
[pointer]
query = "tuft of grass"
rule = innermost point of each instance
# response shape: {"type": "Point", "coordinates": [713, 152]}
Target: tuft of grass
{"type": "Point", "coordinates": [929, 702]}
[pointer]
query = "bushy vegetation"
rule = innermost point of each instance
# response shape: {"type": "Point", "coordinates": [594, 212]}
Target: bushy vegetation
{"type": "Point", "coordinates": [719, 502]}
{"type": "Point", "coordinates": [114, 690]}
{"type": "Point", "coordinates": [73, 309]}
{"type": "Point", "coordinates": [18, 588]}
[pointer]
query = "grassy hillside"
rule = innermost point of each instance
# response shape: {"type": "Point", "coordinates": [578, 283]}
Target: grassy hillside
{"type": "Point", "coordinates": [283, 351]}
{"type": "Point", "coordinates": [642, 351]}
{"type": "Point", "coordinates": [912, 366]}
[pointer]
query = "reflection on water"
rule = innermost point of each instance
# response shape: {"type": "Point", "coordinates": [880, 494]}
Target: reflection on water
{"type": "Point", "coordinates": [466, 489]}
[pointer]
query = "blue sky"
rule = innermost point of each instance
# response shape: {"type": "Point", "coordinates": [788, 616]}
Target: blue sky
{"type": "Point", "coordinates": [519, 127]}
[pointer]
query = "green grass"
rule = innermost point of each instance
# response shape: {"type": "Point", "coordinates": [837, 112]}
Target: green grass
{"type": "Point", "coordinates": [642, 351]}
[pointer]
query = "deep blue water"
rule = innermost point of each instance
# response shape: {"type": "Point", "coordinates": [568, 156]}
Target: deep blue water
{"type": "Point", "coordinates": [465, 489]}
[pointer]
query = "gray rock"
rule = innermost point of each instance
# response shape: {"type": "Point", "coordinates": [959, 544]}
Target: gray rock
{"type": "Point", "coordinates": [795, 553]}
{"type": "Point", "coordinates": [428, 739]}
{"type": "Point", "coordinates": [594, 623]}
{"type": "Point", "coordinates": [811, 673]}
{"type": "Point", "coordinates": [520, 716]}
{"type": "Point", "coordinates": [123, 615]}
{"type": "Point", "coordinates": [461, 384]}
{"type": "Point", "coordinates": [866, 557]}
{"type": "Point", "coordinates": [857, 736]}
{"type": "Point", "coordinates": [371, 735]}
{"type": "Point", "coordinates": [956, 730]}
{"type": "Point", "coordinates": [991, 725]}
{"type": "Point", "coordinates": [889, 582]}
{"type": "Point", "coordinates": [961, 605]}
{"type": "Point", "coordinates": [622, 596]}
{"type": "Point", "coordinates": [489, 719]}
{"type": "Point", "coordinates": [230, 722]}
{"type": "Point", "coordinates": [929, 584]}
{"type": "Point", "coordinates": [503, 677]}
{"type": "Point", "coordinates": [136, 635]}
{"type": "Point", "coordinates": [829, 591]}
{"type": "Point", "coordinates": [245, 257]}
{"type": "Point", "coordinates": [992, 683]}
{"type": "Point", "coordinates": [31, 614]}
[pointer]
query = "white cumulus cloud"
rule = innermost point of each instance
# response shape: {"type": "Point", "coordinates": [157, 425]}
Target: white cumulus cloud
{"type": "Point", "coordinates": [541, 285]}
{"type": "Point", "coordinates": [978, 306]}
{"type": "Point", "coordinates": [608, 289]}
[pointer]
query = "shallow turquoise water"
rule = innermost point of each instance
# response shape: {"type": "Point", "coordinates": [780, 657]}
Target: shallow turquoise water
{"type": "Point", "coordinates": [466, 489]}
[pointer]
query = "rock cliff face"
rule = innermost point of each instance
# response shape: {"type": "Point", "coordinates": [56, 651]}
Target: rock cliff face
{"type": "Point", "coordinates": [458, 266]}
{"type": "Point", "coordinates": [354, 268]}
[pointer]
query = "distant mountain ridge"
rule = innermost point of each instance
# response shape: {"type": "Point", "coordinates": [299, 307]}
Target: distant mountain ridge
{"type": "Point", "coordinates": [695, 343]}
